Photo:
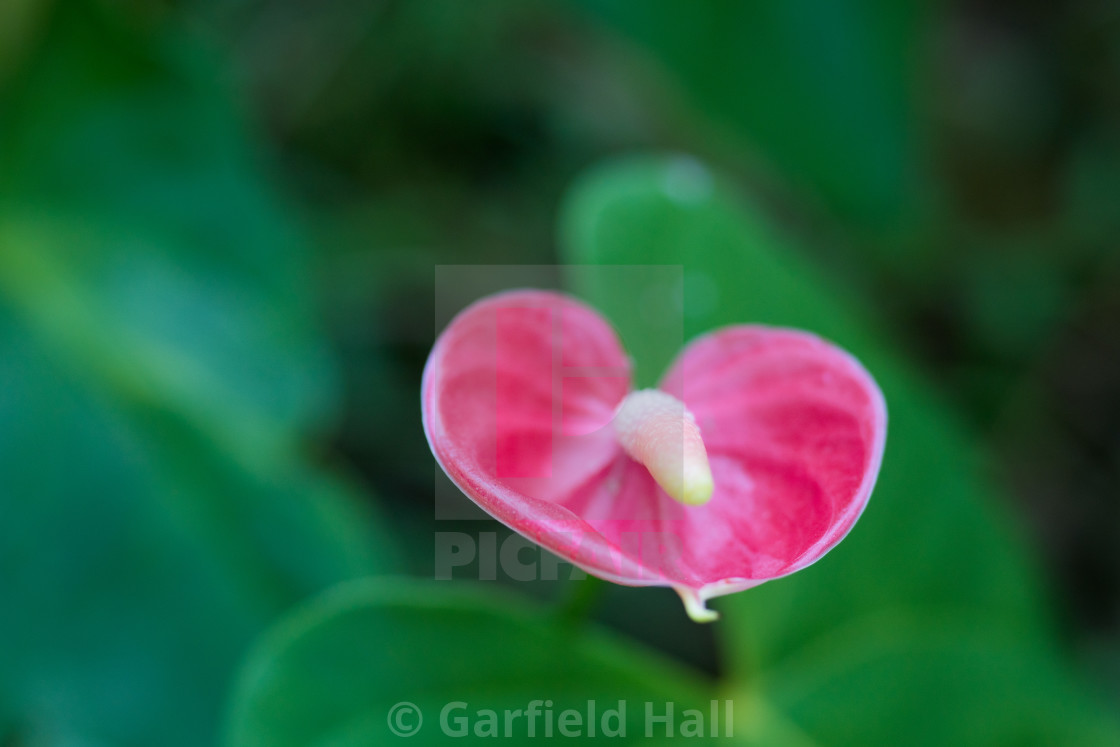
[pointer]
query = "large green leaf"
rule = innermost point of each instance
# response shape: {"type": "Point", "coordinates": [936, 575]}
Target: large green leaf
{"type": "Point", "coordinates": [824, 90]}
{"type": "Point", "coordinates": [931, 540]}
{"type": "Point", "coordinates": [926, 679]}
{"type": "Point", "coordinates": [164, 225]}
{"type": "Point", "coordinates": [137, 310]}
{"type": "Point", "coordinates": [161, 374]}
{"type": "Point", "coordinates": [331, 673]}
{"type": "Point", "coordinates": [136, 559]}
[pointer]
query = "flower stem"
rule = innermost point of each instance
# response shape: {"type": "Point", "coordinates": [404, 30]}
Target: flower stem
{"type": "Point", "coordinates": [580, 598]}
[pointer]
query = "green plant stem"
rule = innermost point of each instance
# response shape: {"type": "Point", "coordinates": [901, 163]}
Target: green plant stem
{"type": "Point", "coordinates": [580, 598]}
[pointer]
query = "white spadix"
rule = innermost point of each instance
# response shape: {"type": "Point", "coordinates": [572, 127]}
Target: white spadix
{"type": "Point", "coordinates": [657, 430]}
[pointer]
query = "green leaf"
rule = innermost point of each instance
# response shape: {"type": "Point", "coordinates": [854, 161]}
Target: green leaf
{"type": "Point", "coordinates": [160, 223]}
{"type": "Point", "coordinates": [931, 539]}
{"type": "Point", "coordinates": [933, 681]}
{"type": "Point", "coordinates": [136, 560]}
{"type": "Point", "coordinates": [160, 376]}
{"type": "Point", "coordinates": [823, 90]}
{"type": "Point", "coordinates": [135, 310]}
{"type": "Point", "coordinates": [331, 672]}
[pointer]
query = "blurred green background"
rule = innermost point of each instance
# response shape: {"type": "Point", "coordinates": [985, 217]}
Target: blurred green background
{"type": "Point", "coordinates": [219, 228]}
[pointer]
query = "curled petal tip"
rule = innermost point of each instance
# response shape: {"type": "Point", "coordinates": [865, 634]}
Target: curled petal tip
{"type": "Point", "coordinates": [696, 607]}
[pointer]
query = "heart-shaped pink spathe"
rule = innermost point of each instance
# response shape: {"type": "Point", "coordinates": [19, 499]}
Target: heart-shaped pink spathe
{"type": "Point", "coordinates": [519, 395]}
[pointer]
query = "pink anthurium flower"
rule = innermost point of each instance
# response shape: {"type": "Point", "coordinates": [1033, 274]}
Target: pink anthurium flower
{"type": "Point", "coordinates": [753, 458]}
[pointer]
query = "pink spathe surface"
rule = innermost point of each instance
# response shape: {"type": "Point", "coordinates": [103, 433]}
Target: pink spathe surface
{"type": "Point", "coordinates": [519, 396]}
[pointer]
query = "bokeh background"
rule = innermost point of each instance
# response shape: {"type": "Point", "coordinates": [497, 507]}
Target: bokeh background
{"type": "Point", "coordinates": [219, 228]}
